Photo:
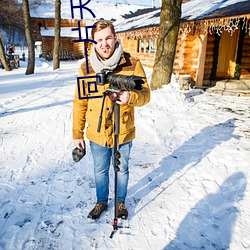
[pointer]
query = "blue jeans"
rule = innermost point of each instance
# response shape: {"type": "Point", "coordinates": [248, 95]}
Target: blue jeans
{"type": "Point", "coordinates": [102, 157]}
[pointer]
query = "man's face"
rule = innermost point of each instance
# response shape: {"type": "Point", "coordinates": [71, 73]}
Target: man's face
{"type": "Point", "coordinates": [105, 43]}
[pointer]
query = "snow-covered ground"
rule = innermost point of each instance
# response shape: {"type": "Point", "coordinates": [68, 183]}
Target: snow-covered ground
{"type": "Point", "coordinates": [189, 170]}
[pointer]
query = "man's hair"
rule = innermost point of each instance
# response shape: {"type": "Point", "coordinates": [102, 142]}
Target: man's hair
{"type": "Point", "coordinates": [102, 24]}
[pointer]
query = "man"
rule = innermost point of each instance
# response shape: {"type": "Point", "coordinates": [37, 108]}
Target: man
{"type": "Point", "coordinates": [108, 54]}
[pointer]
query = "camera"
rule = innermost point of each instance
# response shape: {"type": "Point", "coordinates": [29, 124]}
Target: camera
{"type": "Point", "coordinates": [119, 81]}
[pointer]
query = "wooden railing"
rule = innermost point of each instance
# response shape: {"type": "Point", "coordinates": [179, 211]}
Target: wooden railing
{"type": "Point", "coordinates": [64, 55]}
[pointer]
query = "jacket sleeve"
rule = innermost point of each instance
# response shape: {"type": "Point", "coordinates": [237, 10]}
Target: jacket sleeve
{"type": "Point", "coordinates": [141, 97]}
{"type": "Point", "coordinates": [80, 107]}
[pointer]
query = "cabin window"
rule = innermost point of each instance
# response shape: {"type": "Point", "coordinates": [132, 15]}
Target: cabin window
{"type": "Point", "coordinates": [146, 45]}
{"type": "Point", "coordinates": [152, 45]}
{"type": "Point", "coordinates": [140, 45]}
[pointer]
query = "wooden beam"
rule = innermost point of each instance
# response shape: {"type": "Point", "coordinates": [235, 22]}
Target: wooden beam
{"type": "Point", "coordinates": [201, 60]}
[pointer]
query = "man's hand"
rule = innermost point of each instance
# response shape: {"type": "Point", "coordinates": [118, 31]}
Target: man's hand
{"type": "Point", "coordinates": [123, 97]}
{"type": "Point", "coordinates": [79, 143]}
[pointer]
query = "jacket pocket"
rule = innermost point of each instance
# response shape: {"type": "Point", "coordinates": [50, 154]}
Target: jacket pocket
{"type": "Point", "coordinates": [127, 120]}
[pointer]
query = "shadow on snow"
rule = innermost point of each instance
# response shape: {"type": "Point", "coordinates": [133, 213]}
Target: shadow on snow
{"type": "Point", "coordinates": [209, 225]}
{"type": "Point", "coordinates": [23, 110]}
{"type": "Point", "coordinates": [190, 153]}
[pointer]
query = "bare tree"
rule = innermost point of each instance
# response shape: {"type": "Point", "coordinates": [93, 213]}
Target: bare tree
{"type": "Point", "coordinates": [168, 34]}
{"type": "Point", "coordinates": [56, 59]}
{"type": "Point", "coordinates": [28, 33]}
{"type": "Point", "coordinates": [11, 16]}
{"type": "Point", "coordinates": [11, 24]}
{"type": "Point", "coordinates": [3, 57]}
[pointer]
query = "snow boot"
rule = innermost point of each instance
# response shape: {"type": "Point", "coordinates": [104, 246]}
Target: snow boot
{"type": "Point", "coordinates": [97, 210]}
{"type": "Point", "coordinates": [122, 211]}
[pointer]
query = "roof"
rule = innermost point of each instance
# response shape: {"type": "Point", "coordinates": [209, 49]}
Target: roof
{"type": "Point", "coordinates": [236, 9]}
{"type": "Point", "coordinates": [193, 10]}
{"type": "Point", "coordinates": [208, 9]}
{"type": "Point", "coordinates": [142, 21]}
{"type": "Point", "coordinates": [105, 10]}
{"type": "Point", "coordinates": [65, 32]}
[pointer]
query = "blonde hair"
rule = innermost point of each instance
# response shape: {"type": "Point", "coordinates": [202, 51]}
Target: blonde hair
{"type": "Point", "coordinates": [100, 25]}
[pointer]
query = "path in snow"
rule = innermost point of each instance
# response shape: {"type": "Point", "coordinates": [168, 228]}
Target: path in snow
{"type": "Point", "coordinates": [189, 172]}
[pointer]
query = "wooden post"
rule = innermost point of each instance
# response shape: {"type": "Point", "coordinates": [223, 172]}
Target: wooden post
{"type": "Point", "coordinates": [144, 45]}
{"type": "Point", "coordinates": [201, 60]}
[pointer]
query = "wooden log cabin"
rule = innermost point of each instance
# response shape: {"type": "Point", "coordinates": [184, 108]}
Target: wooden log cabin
{"type": "Point", "coordinates": [43, 30]}
{"type": "Point", "coordinates": [212, 45]}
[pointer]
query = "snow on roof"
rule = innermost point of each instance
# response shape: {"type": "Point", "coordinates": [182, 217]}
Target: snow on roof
{"type": "Point", "coordinates": [65, 32]}
{"type": "Point", "coordinates": [105, 10]}
{"type": "Point", "coordinates": [146, 20]}
{"type": "Point", "coordinates": [198, 9]}
{"type": "Point", "coordinates": [192, 10]}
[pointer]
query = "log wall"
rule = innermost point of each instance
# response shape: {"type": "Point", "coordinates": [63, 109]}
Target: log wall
{"type": "Point", "coordinates": [209, 57]}
{"type": "Point", "coordinates": [186, 56]}
{"type": "Point", "coordinates": [133, 47]}
{"type": "Point", "coordinates": [245, 60]}
{"type": "Point", "coordinates": [67, 43]}
{"type": "Point", "coordinates": [178, 61]}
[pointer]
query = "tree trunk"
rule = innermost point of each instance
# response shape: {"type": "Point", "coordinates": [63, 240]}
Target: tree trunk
{"type": "Point", "coordinates": [168, 34]}
{"type": "Point", "coordinates": [56, 59]}
{"type": "Point", "coordinates": [29, 38]}
{"type": "Point", "coordinates": [3, 57]}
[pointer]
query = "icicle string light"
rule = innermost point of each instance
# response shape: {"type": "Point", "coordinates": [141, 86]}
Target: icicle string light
{"type": "Point", "coordinates": [206, 27]}
{"type": "Point", "coordinates": [217, 25]}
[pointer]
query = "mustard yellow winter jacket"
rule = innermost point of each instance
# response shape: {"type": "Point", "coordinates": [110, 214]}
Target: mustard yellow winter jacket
{"type": "Point", "coordinates": [88, 110]}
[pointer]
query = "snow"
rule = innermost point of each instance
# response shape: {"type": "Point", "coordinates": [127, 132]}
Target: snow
{"type": "Point", "coordinates": [196, 9]}
{"type": "Point", "coordinates": [65, 32]}
{"type": "Point", "coordinates": [106, 9]}
{"type": "Point", "coordinates": [145, 20]}
{"type": "Point", "coordinates": [155, 3]}
{"type": "Point", "coordinates": [192, 10]}
{"type": "Point", "coordinates": [189, 169]}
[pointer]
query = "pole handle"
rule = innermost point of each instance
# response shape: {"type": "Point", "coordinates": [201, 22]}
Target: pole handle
{"type": "Point", "coordinates": [99, 124]}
